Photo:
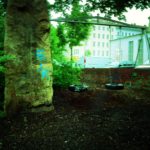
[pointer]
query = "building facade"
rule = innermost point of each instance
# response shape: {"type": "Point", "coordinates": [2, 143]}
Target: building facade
{"type": "Point", "coordinates": [134, 48]}
{"type": "Point", "coordinates": [108, 43]}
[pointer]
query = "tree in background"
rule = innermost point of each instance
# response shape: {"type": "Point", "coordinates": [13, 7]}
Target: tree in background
{"type": "Point", "coordinates": [76, 32]}
{"type": "Point", "coordinates": [87, 53]}
{"type": "Point", "coordinates": [1, 35]}
{"type": "Point", "coordinates": [107, 7]}
{"type": "Point", "coordinates": [2, 13]}
{"type": "Point", "coordinates": [64, 73]}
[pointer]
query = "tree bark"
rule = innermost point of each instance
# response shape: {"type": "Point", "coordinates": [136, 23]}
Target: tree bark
{"type": "Point", "coordinates": [28, 79]}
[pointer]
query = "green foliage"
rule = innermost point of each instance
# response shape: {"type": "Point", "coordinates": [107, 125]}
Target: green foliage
{"type": "Point", "coordinates": [108, 7]}
{"type": "Point", "coordinates": [76, 32]}
{"type": "Point", "coordinates": [4, 58]}
{"type": "Point", "coordinates": [87, 53]}
{"type": "Point", "coordinates": [2, 12]}
{"type": "Point", "coordinates": [64, 72]}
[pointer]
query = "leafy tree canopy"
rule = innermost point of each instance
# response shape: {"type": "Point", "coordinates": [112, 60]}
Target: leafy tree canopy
{"type": "Point", "coordinates": [109, 7]}
{"type": "Point", "coordinates": [76, 32]}
{"type": "Point", "coordinates": [1, 25]}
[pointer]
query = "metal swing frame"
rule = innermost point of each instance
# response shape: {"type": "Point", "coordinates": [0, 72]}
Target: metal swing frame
{"type": "Point", "coordinates": [114, 85]}
{"type": "Point", "coordinates": [147, 66]}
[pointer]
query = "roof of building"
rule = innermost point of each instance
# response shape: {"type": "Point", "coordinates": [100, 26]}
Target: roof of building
{"type": "Point", "coordinates": [97, 20]}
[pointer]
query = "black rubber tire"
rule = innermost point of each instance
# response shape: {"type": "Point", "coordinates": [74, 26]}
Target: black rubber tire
{"type": "Point", "coordinates": [114, 86]}
{"type": "Point", "coordinates": [77, 88]}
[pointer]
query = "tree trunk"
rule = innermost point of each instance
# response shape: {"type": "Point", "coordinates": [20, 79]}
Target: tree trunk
{"type": "Point", "coordinates": [28, 79]}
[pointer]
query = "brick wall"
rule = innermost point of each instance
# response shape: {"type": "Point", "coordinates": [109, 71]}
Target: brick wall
{"type": "Point", "coordinates": [98, 77]}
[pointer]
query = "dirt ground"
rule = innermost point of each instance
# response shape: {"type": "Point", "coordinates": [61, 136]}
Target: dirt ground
{"type": "Point", "coordinates": [97, 119]}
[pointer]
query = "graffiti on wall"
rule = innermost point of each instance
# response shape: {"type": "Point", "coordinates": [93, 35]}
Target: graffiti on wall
{"type": "Point", "coordinates": [41, 58]}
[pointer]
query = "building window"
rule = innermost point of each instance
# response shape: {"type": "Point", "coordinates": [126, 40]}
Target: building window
{"type": "Point", "coordinates": [76, 52]}
{"type": "Point", "coordinates": [107, 36]}
{"type": "Point", "coordinates": [93, 43]}
{"type": "Point", "coordinates": [99, 36]}
{"type": "Point", "coordinates": [140, 52]}
{"type": "Point", "coordinates": [103, 44]}
{"type": "Point", "coordinates": [93, 52]}
{"type": "Point", "coordinates": [130, 51]}
{"type": "Point", "coordinates": [103, 28]}
{"type": "Point", "coordinates": [103, 36]}
{"type": "Point", "coordinates": [98, 53]}
{"type": "Point", "coordinates": [107, 44]}
{"type": "Point", "coordinates": [99, 27]}
{"type": "Point", "coordinates": [93, 35]}
{"type": "Point", "coordinates": [107, 53]}
{"type": "Point", "coordinates": [102, 53]}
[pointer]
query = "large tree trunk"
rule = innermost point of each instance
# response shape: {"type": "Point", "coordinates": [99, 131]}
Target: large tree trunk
{"type": "Point", "coordinates": [28, 80]}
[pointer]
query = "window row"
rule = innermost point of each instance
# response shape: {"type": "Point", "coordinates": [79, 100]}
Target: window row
{"type": "Point", "coordinates": [125, 34]}
{"type": "Point", "coordinates": [101, 44]}
{"type": "Point", "coordinates": [103, 28]}
{"type": "Point", "coordinates": [100, 53]}
{"type": "Point", "coordinates": [75, 52]}
{"type": "Point", "coordinates": [102, 36]}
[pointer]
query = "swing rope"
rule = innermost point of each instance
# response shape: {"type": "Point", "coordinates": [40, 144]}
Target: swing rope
{"type": "Point", "coordinates": [115, 78]}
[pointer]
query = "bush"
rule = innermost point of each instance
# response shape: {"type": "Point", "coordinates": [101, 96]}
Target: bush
{"type": "Point", "coordinates": [66, 73]}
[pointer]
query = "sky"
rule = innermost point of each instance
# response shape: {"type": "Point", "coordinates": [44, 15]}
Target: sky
{"type": "Point", "coordinates": [138, 17]}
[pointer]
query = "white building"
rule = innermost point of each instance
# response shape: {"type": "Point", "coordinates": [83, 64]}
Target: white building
{"type": "Point", "coordinates": [107, 42]}
{"type": "Point", "coordinates": [134, 48]}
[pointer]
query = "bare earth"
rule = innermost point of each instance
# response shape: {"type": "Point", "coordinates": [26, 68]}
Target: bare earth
{"type": "Point", "coordinates": [97, 119]}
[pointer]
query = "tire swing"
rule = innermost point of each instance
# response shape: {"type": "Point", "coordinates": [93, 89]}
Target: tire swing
{"type": "Point", "coordinates": [78, 88]}
{"type": "Point", "coordinates": [115, 81]}
{"type": "Point", "coordinates": [114, 84]}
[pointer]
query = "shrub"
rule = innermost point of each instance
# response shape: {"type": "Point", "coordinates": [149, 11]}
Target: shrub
{"type": "Point", "coordinates": [66, 73]}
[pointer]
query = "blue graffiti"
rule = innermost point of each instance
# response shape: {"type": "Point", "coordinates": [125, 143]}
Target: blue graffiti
{"type": "Point", "coordinates": [40, 68]}
{"type": "Point", "coordinates": [44, 74]}
{"type": "Point", "coordinates": [41, 57]}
